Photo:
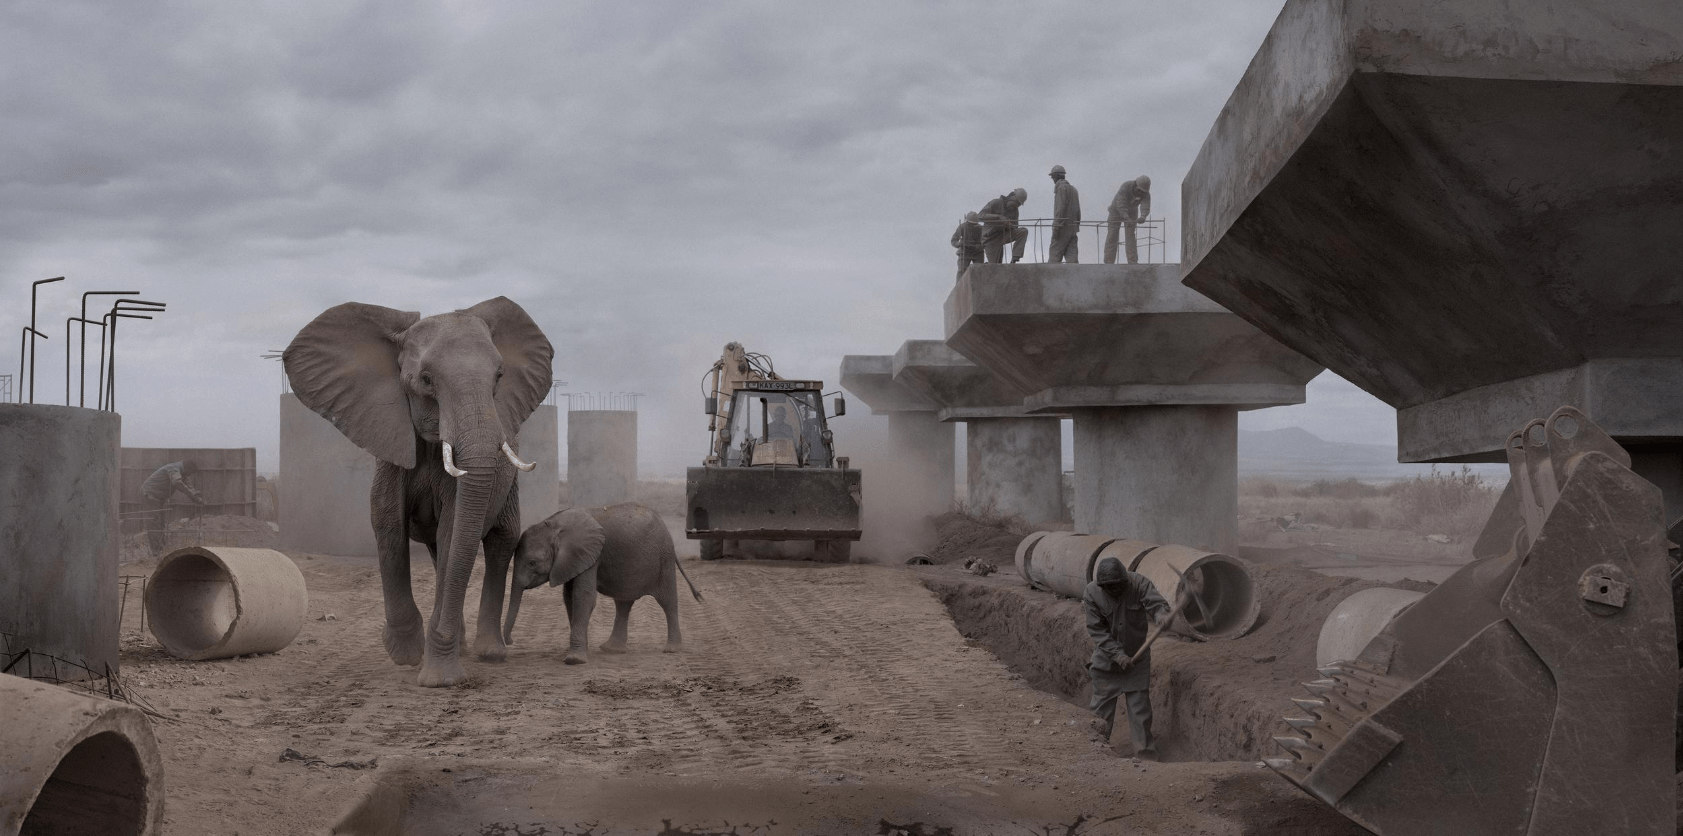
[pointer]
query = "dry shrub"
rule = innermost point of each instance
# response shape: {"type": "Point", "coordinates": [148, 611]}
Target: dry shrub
{"type": "Point", "coordinates": [1455, 503]}
{"type": "Point", "coordinates": [1441, 502]}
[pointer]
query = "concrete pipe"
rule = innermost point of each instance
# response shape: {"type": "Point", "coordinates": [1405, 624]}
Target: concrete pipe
{"type": "Point", "coordinates": [1064, 562]}
{"type": "Point", "coordinates": [1025, 553]}
{"type": "Point", "coordinates": [212, 602]}
{"type": "Point", "coordinates": [76, 765]}
{"type": "Point", "coordinates": [1357, 619]}
{"type": "Point", "coordinates": [1224, 605]}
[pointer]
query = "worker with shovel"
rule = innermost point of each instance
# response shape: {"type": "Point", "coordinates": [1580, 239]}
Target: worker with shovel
{"type": "Point", "coordinates": [1122, 607]}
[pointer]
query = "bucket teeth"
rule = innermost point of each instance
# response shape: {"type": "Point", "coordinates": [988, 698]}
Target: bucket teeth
{"type": "Point", "coordinates": [1321, 686]}
{"type": "Point", "coordinates": [1297, 744]}
{"type": "Point", "coordinates": [1291, 769]}
{"type": "Point", "coordinates": [1311, 706]}
{"type": "Point", "coordinates": [1302, 722]}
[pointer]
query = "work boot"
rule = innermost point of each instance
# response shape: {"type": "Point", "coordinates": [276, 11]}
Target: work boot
{"type": "Point", "coordinates": [1101, 728]}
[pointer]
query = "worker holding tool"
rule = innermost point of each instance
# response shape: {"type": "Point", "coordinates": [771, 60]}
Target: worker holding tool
{"type": "Point", "coordinates": [1122, 606]}
{"type": "Point", "coordinates": [158, 488]}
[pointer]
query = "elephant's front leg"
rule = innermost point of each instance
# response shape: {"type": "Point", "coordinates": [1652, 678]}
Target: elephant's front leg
{"type": "Point", "coordinates": [499, 550]}
{"type": "Point", "coordinates": [404, 633]}
{"type": "Point", "coordinates": [581, 602]}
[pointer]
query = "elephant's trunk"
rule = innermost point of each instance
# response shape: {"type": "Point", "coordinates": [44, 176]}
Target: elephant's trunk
{"type": "Point", "coordinates": [514, 596]}
{"type": "Point", "coordinates": [477, 453]}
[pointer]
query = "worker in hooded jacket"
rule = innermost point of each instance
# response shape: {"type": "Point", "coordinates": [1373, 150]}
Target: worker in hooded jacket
{"type": "Point", "coordinates": [1121, 606]}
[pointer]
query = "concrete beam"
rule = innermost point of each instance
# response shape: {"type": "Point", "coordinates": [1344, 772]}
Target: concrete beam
{"type": "Point", "coordinates": [1469, 210]}
{"type": "Point", "coordinates": [870, 378]}
{"type": "Point", "coordinates": [1089, 335]}
{"type": "Point", "coordinates": [960, 389]}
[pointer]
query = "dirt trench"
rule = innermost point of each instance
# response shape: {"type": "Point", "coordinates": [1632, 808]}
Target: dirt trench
{"type": "Point", "coordinates": [1211, 701]}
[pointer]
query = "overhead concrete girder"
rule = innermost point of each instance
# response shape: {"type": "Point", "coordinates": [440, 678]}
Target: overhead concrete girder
{"type": "Point", "coordinates": [1469, 210]}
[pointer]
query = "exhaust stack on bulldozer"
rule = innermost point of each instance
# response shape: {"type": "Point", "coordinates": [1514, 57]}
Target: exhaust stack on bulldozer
{"type": "Point", "coordinates": [1535, 690]}
{"type": "Point", "coordinates": [771, 473]}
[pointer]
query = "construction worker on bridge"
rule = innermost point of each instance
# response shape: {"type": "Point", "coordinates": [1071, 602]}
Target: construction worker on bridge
{"type": "Point", "coordinates": [999, 217]}
{"type": "Point", "coordinates": [1121, 606]}
{"type": "Point", "coordinates": [158, 488]}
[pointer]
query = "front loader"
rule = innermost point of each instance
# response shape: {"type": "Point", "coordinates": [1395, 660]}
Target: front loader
{"type": "Point", "coordinates": [1534, 691]}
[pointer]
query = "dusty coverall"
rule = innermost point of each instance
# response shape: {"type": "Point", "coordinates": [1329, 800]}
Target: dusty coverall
{"type": "Point", "coordinates": [1131, 205]}
{"type": "Point", "coordinates": [1066, 223]}
{"type": "Point", "coordinates": [158, 488]}
{"type": "Point", "coordinates": [967, 239]}
{"type": "Point", "coordinates": [1118, 628]}
{"type": "Point", "coordinates": [1001, 226]}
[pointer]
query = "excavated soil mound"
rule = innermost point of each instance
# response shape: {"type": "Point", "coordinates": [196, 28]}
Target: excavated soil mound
{"type": "Point", "coordinates": [961, 536]}
{"type": "Point", "coordinates": [1219, 700]}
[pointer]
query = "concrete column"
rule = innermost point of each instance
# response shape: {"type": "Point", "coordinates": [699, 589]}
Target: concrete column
{"type": "Point", "coordinates": [923, 447]}
{"type": "Point", "coordinates": [601, 456]}
{"type": "Point", "coordinates": [58, 531]}
{"type": "Point", "coordinates": [540, 443]}
{"type": "Point", "coordinates": [1164, 474]}
{"type": "Point", "coordinates": [1015, 467]}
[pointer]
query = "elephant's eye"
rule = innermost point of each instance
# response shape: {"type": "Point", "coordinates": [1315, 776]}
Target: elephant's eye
{"type": "Point", "coordinates": [426, 379]}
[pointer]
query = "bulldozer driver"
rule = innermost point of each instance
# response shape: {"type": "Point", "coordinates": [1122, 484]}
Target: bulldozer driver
{"type": "Point", "coordinates": [1121, 606]}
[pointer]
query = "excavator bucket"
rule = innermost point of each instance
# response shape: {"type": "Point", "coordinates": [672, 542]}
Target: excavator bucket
{"type": "Point", "coordinates": [1532, 692]}
{"type": "Point", "coordinates": [772, 503]}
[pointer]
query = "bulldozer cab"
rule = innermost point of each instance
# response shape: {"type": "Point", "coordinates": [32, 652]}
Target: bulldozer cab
{"type": "Point", "coordinates": [776, 423]}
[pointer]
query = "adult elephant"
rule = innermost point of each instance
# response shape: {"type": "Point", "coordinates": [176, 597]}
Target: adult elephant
{"type": "Point", "coordinates": [439, 402]}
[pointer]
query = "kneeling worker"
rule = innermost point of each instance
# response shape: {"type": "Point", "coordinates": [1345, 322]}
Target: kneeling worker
{"type": "Point", "coordinates": [1121, 606]}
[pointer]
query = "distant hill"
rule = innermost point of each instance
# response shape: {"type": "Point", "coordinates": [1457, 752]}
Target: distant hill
{"type": "Point", "coordinates": [1297, 454]}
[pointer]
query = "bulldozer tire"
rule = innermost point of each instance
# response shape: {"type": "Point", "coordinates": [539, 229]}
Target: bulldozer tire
{"type": "Point", "coordinates": [712, 549]}
{"type": "Point", "coordinates": [832, 551]}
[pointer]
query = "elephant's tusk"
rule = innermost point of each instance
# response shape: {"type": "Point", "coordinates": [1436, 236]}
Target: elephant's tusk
{"type": "Point", "coordinates": [450, 462]}
{"type": "Point", "coordinates": [524, 466]}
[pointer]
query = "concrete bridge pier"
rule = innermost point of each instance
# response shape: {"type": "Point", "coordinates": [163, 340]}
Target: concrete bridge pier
{"type": "Point", "coordinates": [1154, 376]}
{"type": "Point", "coordinates": [914, 479]}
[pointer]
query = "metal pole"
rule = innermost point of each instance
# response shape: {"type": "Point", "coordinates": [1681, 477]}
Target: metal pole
{"type": "Point", "coordinates": [82, 396]}
{"type": "Point", "coordinates": [32, 288]}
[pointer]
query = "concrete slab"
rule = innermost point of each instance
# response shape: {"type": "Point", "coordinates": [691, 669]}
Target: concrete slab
{"type": "Point", "coordinates": [1469, 210]}
{"type": "Point", "coordinates": [601, 456]}
{"type": "Point", "coordinates": [1089, 335]}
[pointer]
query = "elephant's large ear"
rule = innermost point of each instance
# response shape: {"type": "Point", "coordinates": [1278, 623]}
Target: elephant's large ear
{"type": "Point", "coordinates": [578, 544]}
{"type": "Point", "coordinates": [526, 360]}
{"type": "Point", "coordinates": [344, 366]}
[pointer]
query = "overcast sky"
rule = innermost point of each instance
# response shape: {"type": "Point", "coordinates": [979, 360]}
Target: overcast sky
{"type": "Point", "coordinates": [649, 180]}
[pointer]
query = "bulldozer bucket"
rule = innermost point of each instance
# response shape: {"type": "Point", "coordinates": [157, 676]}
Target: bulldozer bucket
{"type": "Point", "coordinates": [1535, 690]}
{"type": "Point", "coordinates": [772, 503]}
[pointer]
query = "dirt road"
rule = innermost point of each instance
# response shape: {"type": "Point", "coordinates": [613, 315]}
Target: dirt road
{"type": "Point", "coordinates": [809, 698]}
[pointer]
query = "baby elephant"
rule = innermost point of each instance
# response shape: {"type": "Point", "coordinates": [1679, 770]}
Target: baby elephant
{"type": "Point", "coordinates": [622, 551]}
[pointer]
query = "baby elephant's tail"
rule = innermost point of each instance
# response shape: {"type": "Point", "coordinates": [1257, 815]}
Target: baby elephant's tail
{"type": "Point", "coordinates": [680, 565]}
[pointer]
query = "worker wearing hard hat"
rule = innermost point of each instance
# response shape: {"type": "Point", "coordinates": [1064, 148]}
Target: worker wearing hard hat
{"type": "Point", "coordinates": [1121, 607]}
{"type": "Point", "coordinates": [1066, 219]}
{"type": "Point", "coordinates": [1000, 218]}
{"type": "Point", "coordinates": [967, 239]}
{"type": "Point", "coordinates": [158, 488]}
{"type": "Point", "coordinates": [1130, 206]}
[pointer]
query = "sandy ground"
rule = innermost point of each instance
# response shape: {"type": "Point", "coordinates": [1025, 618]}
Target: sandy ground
{"type": "Point", "coordinates": [809, 699]}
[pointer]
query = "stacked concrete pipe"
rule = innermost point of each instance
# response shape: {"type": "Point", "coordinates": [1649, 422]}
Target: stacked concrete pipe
{"type": "Point", "coordinates": [212, 602]}
{"type": "Point", "coordinates": [76, 765]}
{"type": "Point", "coordinates": [1223, 603]}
